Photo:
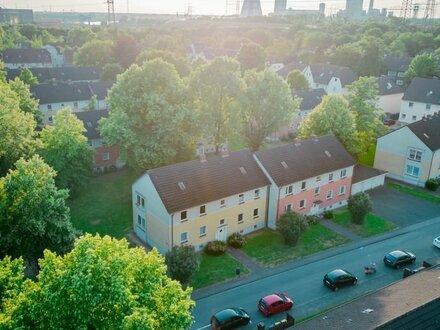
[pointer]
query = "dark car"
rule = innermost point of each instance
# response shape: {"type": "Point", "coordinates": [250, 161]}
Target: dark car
{"type": "Point", "coordinates": [399, 258]}
{"type": "Point", "coordinates": [338, 278]}
{"type": "Point", "coordinates": [230, 318]}
{"type": "Point", "coordinates": [388, 121]}
{"type": "Point", "coordinates": [274, 303]}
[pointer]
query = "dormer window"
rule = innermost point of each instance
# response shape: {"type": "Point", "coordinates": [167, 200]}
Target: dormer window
{"type": "Point", "coordinates": [241, 198]}
{"type": "Point", "coordinates": [202, 210]}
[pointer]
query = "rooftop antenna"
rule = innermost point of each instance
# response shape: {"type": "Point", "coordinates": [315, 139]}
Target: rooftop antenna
{"type": "Point", "coordinates": [110, 11]}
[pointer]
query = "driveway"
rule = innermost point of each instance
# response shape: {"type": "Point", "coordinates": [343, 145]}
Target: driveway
{"type": "Point", "coordinates": [401, 208]}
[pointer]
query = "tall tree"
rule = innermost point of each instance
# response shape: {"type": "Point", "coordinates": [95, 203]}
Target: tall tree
{"type": "Point", "coordinates": [79, 35]}
{"type": "Point", "coordinates": [65, 148]}
{"type": "Point", "coordinates": [181, 64]}
{"type": "Point", "coordinates": [17, 129]}
{"type": "Point", "coordinates": [149, 115]}
{"type": "Point", "coordinates": [216, 87]}
{"type": "Point", "coordinates": [267, 104]}
{"type": "Point", "coordinates": [125, 50]}
{"type": "Point", "coordinates": [332, 116]}
{"type": "Point", "coordinates": [33, 213]}
{"type": "Point", "coordinates": [27, 103]}
{"type": "Point", "coordinates": [27, 77]}
{"type": "Point", "coordinates": [110, 71]}
{"type": "Point", "coordinates": [100, 284]}
{"type": "Point", "coordinates": [251, 56]}
{"type": "Point", "coordinates": [297, 81]}
{"type": "Point", "coordinates": [424, 65]}
{"type": "Point", "coordinates": [95, 52]}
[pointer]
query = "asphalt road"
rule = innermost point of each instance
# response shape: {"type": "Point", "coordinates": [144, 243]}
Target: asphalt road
{"type": "Point", "coordinates": [303, 283]}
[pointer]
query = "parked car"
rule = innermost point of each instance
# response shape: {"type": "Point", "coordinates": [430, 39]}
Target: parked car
{"type": "Point", "coordinates": [398, 258]}
{"type": "Point", "coordinates": [274, 303]}
{"type": "Point", "coordinates": [388, 121]}
{"type": "Point", "coordinates": [436, 242]}
{"type": "Point", "coordinates": [230, 318]}
{"type": "Point", "coordinates": [338, 278]}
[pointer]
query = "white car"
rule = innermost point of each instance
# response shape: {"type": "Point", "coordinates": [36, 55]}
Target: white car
{"type": "Point", "coordinates": [436, 242]}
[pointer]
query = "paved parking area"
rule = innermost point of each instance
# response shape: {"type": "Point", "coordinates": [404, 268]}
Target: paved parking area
{"type": "Point", "coordinates": [400, 208]}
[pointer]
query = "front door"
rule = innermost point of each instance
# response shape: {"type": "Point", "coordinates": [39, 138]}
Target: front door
{"type": "Point", "coordinates": [314, 209]}
{"type": "Point", "coordinates": [222, 233]}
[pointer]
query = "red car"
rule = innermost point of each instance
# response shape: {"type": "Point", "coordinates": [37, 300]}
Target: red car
{"type": "Point", "coordinates": [274, 303]}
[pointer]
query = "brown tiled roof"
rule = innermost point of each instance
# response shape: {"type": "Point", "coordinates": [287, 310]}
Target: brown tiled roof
{"type": "Point", "coordinates": [203, 182]}
{"type": "Point", "coordinates": [362, 173]}
{"type": "Point", "coordinates": [305, 159]}
{"type": "Point", "coordinates": [428, 130]}
{"type": "Point", "coordinates": [383, 306]}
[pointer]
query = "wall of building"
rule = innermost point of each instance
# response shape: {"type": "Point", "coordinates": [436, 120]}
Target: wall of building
{"type": "Point", "coordinates": [414, 111]}
{"type": "Point", "coordinates": [390, 103]}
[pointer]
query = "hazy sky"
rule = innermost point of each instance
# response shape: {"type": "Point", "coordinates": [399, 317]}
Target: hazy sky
{"type": "Point", "coordinates": [215, 7]}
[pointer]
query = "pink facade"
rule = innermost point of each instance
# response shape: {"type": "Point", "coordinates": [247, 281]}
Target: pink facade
{"type": "Point", "coordinates": [310, 202]}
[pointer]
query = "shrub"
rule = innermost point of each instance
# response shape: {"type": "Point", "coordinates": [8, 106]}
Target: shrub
{"type": "Point", "coordinates": [216, 248]}
{"type": "Point", "coordinates": [182, 262]}
{"type": "Point", "coordinates": [432, 184]}
{"type": "Point", "coordinates": [359, 205]}
{"type": "Point", "coordinates": [328, 214]}
{"type": "Point", "coordinates": [236, 240]}
{"type": "Point", "coordinates": [291, 225]}
{"type": "Point", "coordinates": [312, 220]}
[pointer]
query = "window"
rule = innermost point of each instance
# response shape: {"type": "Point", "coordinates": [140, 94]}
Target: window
{"type": "Point", "coordinates": [392, 74]}
{"type": "Point", "coordinates": [318, 178]}
{"type": "Point", "coordinates": [240, 199]}
{"type": "Point", "coordinates": [411, 104]}
{"type": "Point", "coordinates": [75, 105]}
{"type": "Point", "coordinates": [428, 107]}
{"type": "Point", "coordinates": [222, 203]}
{"type": "Point", "coordinates": [403, 115]}
{"type": "Point", "coordinates": [330, 177]}
{"type": "Point", "coordinates": [414, 118]}
{"type": "Point", "coordinates": [303, 185]}
{"type": "Point", "coordinates": [317, 190]}
{"type": "Point", "coordinates": [140, 201]}
{"type": "Point", "coordinates": [50, 119]}
{"type": "Point", "coordinates": [255, 213]}
{"type": "Point", "coordinates": [240, 218]}
{"type": "Point", "coordinates": [330, 194]}
{"type": "Point", "coordinates": [222, 222]}
{"type": "Point", "coordinates": [106, 156]}
{"type": "Point", "coordinates": [257, 193]}
{"type": "Point", "coordinates": [412, 170]}
{"type": "Point", "coordinates": [141, 222]}
{"type": "Point", "coordinates": [203, 210]}
{"type": "Point", "coordinates": [183, 237]}
{"type": "Point", "coordinates": [202, 231]}
{"type": "Point", "coordinates": [289, 190]}
{"type": "Point", "coordinates": [341, 190]}
{"type": "Point", "coordinates": [49, 107]}
{"type": "Point", "coordinates": [343, 173]}
{"type": "Point", "coordinates": [183, 216]}
{"type": "Point", "coordinates": [415, 155]}
{"type": "Point", "coordinates": [302, 204]}
{"type": "Point", "coordinates": [287, 207]}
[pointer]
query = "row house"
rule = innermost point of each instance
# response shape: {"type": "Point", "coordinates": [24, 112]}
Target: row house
{"type": "Point", "coordinates": [307, 177]}
{"type": "Point", "coordinates": [14, 58]}
{"type": "Point", "coordinates": [421, 98]}
{"type": "Point", "coordinates": [105, 157]}
{"type": "Point", "coordinates": [77, 96]}
{"type": "Point", "coordinates": [334, 79]}
{"type": "Point", "coordinates": [60, 74]}
{"type": "Point", "coordinates": [199, 201]}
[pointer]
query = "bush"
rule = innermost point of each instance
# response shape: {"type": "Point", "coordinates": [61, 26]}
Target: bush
{"type": "Point", "coordinates": [432, 184]}
{"type": "Point", "coordinates": [216, 248]}
{"type": "Point", "coordinates": [328, 214]}
{"type": "Point", "coordinates": [236, 240]}
{"type": "Point", "coordinates": [312, 220]}
{"type": "Point", "coordinates": [182, 262]}
{"type": "Point", "coordinates": [291, 225]}
{"type": "Point", "coordinates": [359, 205]}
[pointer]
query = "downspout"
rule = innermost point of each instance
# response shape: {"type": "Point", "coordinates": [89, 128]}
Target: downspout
{"type": "Point", "coordinates": [172, 231]}
{"type": "Point", "coordinates": [278, 205]}
{"type": "Point", "coordinates": [430, 167]}
{"type": "Point", "coordinates": [267, 205]}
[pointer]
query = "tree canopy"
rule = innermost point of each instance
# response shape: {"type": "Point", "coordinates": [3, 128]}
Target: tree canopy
{"type": "Point", "coordinates": [181, 64]}
{"type": "Point", "coordinates": [251, 56]}
{"type": "Point", "coordinates": [100, 284]}
{"type": "Point", "coordinates": [423, 65]}
{"type": "Point", "coordinates": [297, 81]}
{"type": "Point", "coordinates": [94, 52]}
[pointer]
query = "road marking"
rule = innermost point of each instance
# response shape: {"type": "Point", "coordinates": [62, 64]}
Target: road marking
{"type": "Point", "coordinates": [206, 326]}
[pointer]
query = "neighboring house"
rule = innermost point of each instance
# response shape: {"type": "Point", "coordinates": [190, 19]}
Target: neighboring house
{"type": "Point", "coordinates": [395, 67]}
{"type": "Point", "coordinates": [200, 201]}
{"type": "Point", "coordinates": [284, 72]}
{"type": "Point", "coordinates": [16, 16]}
{"type": "Point", "coordinates": [411, 153]}
{"type": "Point", "coordinates": [334, 79]}
{"type": "Point", "coordinates": [105, 157]}
{"type": "Point", "coordinates": [389, 95]}
{"type": "Point", "coordinates": [55, 55]}
{"type": "Point", "coordinates": [309, 100]}
{"type": "Point", "coordinates": [77, 96]}
{"type": "Point", "coordinates": [421, 98]}
{"type": "Point", "coordinates": [307, 177]}
{"type": "Point", "coordinates": [15, 58]}
{"type": "Point", "coordinates": [60, 74]}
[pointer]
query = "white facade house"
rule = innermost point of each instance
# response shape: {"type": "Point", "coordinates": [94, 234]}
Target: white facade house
{"type": "Point", "coordinates": [422, 98]}
{"type": "Point", "coordinates": [334, 79]}
{"type": "Point", "coordinates": [15, 58]}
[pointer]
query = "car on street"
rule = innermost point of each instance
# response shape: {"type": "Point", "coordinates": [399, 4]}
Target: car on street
{"type": "Point", "coordinates": [388, 121]}
{"type": "Point", "coordinates": [230, 318]}
{"type": "Point", "coordinates": [399, 258]}
{"type": "Point", "coordinates": [274, 303]}
{"type": "Point", "coordinates": [436, 242]}
{"type": "Point", "coordinates": [338, 278]}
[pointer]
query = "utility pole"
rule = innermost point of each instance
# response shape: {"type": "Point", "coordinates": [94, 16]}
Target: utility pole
{"type": "Point", "coordinates": [407, 7]}
{"type": "Point", "coordinates": [429, 13]}
{"type": "Point", "coordinates": [110, 11]}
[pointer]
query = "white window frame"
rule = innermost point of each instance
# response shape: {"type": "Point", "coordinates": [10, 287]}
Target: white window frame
{"type": "Point", "coordinates": [341, 190]}
{"type": "Point", "coordinates": [257, 193]}
{"type": "Point", "coordinates": [184, 237]}
{"type": "Point", "coordinates": [288, 207]}
{"type": "Point", "coordinates": [303, 185]}
{"type": "Point", "coordinates": [415, 155]}
{"type": "Point", "coordinates": [204, 210]}
{"type": "Point", "coordinates": [344, 173]}
{"type": "Point", "coordinates": [240, 218]}
{"type": "Point", "coordinates": [302, 204]}
{"type": "Point", "coordinates": [140, 201]}
{"type": "Point", "coordinates": [256, 213]}
{"type": "Point", "coordinates": [202, 231]}
{"type": "Point", "coordinates": [222, 203]}
{"type": "Point", "coordinates": [241, 199]}
{"type": "Point", "coordinates": [329, 194]}
{"type": "Point", "coordinates": [410, 170]}
{"type": "Point", "coordinates": [105, 156]}
{"type": "Point", "coordinates": [317, 190]}
{"type": "Point", "coordinates": [289, 190]}
{"type": "Point", "coordinates": [330, 177]}
{"type": "Point", "coordinates": [183, 219]}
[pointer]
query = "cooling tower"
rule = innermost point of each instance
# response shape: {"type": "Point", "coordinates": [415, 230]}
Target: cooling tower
{"type": "Point", "coordinates": [280, 6]}
{"type": "Point", "coordinates": [251, 8]}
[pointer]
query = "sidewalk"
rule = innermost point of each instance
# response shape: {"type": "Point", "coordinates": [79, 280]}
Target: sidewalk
{"type": "Point", "coordinates": [258, 274]}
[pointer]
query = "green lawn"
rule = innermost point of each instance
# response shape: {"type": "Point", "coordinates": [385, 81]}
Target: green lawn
{"type": "Point", "coordinates": [215, 270]}
{"type": "Point", "coordinates": [417, 192]}
{"type": "Point", "coordinates": [267, 247]}
{"type": "Point", "coordinates": [367, 158]}
{"type": "Point", "coordinates": [372, 225]}
{"type": "Point", "coordinates": [104, 206]}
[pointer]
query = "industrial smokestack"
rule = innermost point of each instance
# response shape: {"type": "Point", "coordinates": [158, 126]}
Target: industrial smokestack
{"type": "Point", "coordinates": [280, 6]}
{"type": "Point", "coordinates": [251, 8]}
